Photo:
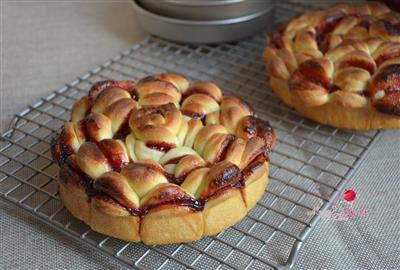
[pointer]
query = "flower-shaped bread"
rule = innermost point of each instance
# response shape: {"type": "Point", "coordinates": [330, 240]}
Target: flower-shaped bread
{"type": "Point", "coordinates": [340, 66]}
{"type": "Point", "coordinates": [161, 161]}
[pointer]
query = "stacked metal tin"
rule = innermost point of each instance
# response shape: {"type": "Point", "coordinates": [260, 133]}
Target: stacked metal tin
{"type": "Point", "coordinates": [204, 21]}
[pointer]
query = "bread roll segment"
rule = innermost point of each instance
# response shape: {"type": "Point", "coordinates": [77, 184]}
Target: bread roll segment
{"type": "Point", "coordinates": [179, 161]}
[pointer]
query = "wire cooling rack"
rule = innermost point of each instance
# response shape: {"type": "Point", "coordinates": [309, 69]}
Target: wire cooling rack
{"type": "Point", "coordinates": [309, 164]}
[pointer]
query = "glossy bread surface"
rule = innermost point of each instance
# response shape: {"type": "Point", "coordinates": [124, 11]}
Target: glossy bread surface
{"type": "Point", "coordinates": [161, 161]}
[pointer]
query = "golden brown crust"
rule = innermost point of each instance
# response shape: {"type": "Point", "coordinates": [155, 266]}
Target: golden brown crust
{"type": "Point", "coordinates": [167, 226]}
{"type": "Point", "coordinates": [340, 66]}
{"type": "Point", "coordinates": [161, 161]}
{"type": "Point", "coordinates": [223, 211]}
{"type": "Point", "coordinates": [350, 118]}
{"type": "Point", "coordinates": [120, 224]}
{"type": "Point", "coordinates": [77, 204]}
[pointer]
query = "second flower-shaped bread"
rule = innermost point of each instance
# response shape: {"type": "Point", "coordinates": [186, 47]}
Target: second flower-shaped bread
{"type": "Point", "coordinates": [340, 66]}
{"type": "Point", "coordinates": [161, 161]}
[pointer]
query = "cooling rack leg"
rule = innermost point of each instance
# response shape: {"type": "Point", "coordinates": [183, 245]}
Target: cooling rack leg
{"type": "Point", "coordinates": [293, 255]}
{"type": "Point", "coordinates": [13, 124]}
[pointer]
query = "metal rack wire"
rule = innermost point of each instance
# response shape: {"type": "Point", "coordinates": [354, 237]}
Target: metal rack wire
{"type": "Point", "coordinates": [309, 168]}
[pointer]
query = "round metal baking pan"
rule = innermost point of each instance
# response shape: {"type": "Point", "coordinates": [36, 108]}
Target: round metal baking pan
{"type": "Point", "coordinates": [204, 9]}
{"type": "Point", "coordinates": [194, 31]}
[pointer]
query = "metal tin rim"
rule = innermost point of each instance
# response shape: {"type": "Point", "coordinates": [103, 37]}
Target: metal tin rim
{"type": "Point", "coordinates": [203, 3]}
{"type": "Point", "coordinates": [138, 8]}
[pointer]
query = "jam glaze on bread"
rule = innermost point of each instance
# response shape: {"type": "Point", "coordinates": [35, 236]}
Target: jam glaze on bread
{"type": "Point", "coordinates": [340, 66]}
{"type": "Point", "coordinates": [161, 161]}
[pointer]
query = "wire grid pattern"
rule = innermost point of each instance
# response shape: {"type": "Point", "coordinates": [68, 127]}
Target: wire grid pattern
{"type": "Point", "coordinates": [308, 168]}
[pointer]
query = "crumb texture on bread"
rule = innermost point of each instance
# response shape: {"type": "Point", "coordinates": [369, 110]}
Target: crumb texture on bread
{"type": "Point", "coordinates": [161, 160]}
{"type": "Point", "coordinates": [339, 66]}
